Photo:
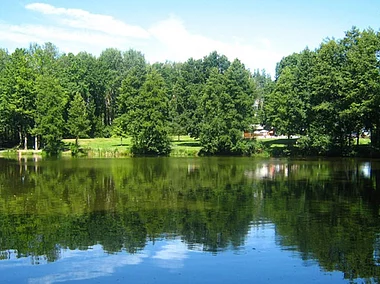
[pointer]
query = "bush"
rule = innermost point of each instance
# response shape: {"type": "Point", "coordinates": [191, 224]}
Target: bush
{"type": "Point", "coordinates": [314, 144]}
{"type": "Point", "coordinates": [76, 150]}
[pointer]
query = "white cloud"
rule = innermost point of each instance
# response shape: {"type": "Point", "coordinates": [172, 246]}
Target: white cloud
{"type": "Point", "coordinates": [77, 18]}
{"type": "Point", "coordinates": [178, 44]}
{"type": "Point", "coordinates": [65, 39]}
{"type": "Point", "coordinates": [74, 30]}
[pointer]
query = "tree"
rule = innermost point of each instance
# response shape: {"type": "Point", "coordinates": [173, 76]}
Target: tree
{"type": "Point", "coordinates": [19, 94]}
{"type": "Point", "coordinates": [362, 82]}
{"type": "Point", "coordinates": [215, 60]}
{"type": "Point", "coordinates": [177, 112]}
{"type": "Point", "coordinates": [191, 79]}
{"type": "Point", "coordinates": [44, 63]}
{"type": "Point", "coordinates": [78, 124]}
{"type": "Point", "coordinates": [4, 108]}
{"type": "Point", "coordinates": [284, 108]}
{"type": "Point", "coordinates": [49, 109]}
{"type": "Point", "coordinates": [226, 110]}
{"type": "Point", "coordinates": [111, 66]}
{"type": "Point", "coordinates": [213, 130]}
{"type": "Point", "coordinates": [263, 87]}
{"type": "Point", "coordinates": [147, 117]}
{"type": "Point", "coordinates": [328, 95]}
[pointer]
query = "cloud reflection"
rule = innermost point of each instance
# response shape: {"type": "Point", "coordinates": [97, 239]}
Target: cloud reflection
{"type": "Point", "coordinates": [84, 265]}
{"type": "Point", "coordinates": [172, 255]}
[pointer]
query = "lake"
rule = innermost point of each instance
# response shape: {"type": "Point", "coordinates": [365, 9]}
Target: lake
{"type": "Point", "coordinates": [189, 220]}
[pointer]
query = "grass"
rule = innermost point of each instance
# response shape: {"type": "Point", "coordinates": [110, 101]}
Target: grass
{"type": "Point", "coordinates": [101, 147]}
{"type": "Point", "coordinates": [112, 147]}
{"type": "Point", "coordinates": [185, 146]}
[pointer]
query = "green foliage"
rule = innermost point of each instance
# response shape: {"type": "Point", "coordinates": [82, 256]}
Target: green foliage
{"type": "Point", "coordinates": [285, 110]}
{"type": "Point", "coordinates": [332, 90]}
{"type": "Point", "coordinates": [315, 144]}
{"type": "Point", "coordinates": [146, 116]}
{"type": "Point", "coordinates": [78, 124]}
{"type": "Point", "coordinates": [226, 110]}
{"type": "Point", "coordinates": [49, 121]}
{"type": "Point", "coordinates": [19, 97]}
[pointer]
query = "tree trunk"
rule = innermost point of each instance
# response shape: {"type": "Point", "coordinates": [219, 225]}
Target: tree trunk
{"type": "Point", "coordinates": [20, 137]}
{"type": "Point", "coordinates": [121, 140]}
{"type": "Point", "coordinates": [357, 138]}
{"type": "Point", "coordinates": [36, 143]}
{"type": "Point", "coordinates": [26, 142]}
{"type": "Point", "coordinates": [76, 140]}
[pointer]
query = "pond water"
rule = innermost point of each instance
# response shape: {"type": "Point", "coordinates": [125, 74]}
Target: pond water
{"type": "Point", "coordinates": [189, 220]}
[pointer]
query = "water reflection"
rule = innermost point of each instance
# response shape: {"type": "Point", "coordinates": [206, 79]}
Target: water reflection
{"type": "Point", "coordinates": [112, 213]}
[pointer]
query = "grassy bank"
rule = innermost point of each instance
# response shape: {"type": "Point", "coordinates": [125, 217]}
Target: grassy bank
{"type": "Point", "coordinates": [282, 147]}
{"type": "Point", "coordinates": [100, 147]}
{"type": "Point", "coordinates": [114, 147]}
{"type": "Point", "coordinates": [185, 146]}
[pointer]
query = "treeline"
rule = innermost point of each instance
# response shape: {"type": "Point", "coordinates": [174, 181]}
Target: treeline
{"type": "Point", "coordinates": [331, 95]}
{"type": "Point", "coordinates": [46, 95]}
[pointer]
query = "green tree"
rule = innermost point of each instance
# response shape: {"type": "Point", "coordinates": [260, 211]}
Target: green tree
{"type": "Point", "coordinates": [284, 108]}
{"type": "Point", "coordinates": [147, 117]}
{"type": "Point", "coordinates": [191, 79]}
{"type": "Point", "coordinates": [19, 94]}
{"type": "Point", "coordinates": [49, 109]}
{"type": "Point", "coordinates": [264, 86]}
{"type": "Point", "coordinates": [4, 108]}
{"type": "Point", "coordinates": [177, 112]}
{"type": "Point", "coordinates": [44, 62]}
{"type": "Point", "coordinates": [78, 124]}
{"type": "Point", "coordinates": [328, 94]}
{"type": "Point", "coordinates": [127, 100]}
{"type": "Point", "coordinates": [362, 82]}
{"type": "Point", "coordinates": [111, 66]}
{"type": "Point", "coordinates": [226, 110]}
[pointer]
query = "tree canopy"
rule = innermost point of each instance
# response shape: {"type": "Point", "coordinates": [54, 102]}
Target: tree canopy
{"type": "Point", "coordinates": [329, 95]}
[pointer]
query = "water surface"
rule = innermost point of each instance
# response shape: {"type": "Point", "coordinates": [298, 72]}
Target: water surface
{"type": "Point", "coordinates": [196, 220]}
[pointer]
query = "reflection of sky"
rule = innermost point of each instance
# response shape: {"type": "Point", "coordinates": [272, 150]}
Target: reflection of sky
{"type": "Point", "coordinates": [171, 255]}
{"type": "Point", "coordinates": [260, 260]}
{"type": "Point", "coordinates": [90, 264]}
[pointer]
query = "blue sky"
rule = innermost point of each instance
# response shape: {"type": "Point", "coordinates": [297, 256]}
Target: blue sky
{"type": "Point", "coordinates": [258, 32]}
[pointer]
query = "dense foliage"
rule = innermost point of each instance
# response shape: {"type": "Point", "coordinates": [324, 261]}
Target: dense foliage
{"type": "Point", "coordinates": [329, 96]}
{"type": "Point", "coordinates": [48, 95]}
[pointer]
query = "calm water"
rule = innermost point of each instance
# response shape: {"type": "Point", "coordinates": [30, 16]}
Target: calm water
{"type": "Point", "coordinates": [201, 220]}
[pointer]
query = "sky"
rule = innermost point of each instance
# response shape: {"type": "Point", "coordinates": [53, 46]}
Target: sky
{"type": "Point", "coordinates": [258, 32]}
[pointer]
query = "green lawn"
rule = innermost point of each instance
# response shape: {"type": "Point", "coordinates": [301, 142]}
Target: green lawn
{"type": "Point", "coordinates": [102, 143]}
{"type": "Point", "coordinates": [186, 146]}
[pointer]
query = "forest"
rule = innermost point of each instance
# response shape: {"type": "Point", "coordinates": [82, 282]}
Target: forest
{"type": "Point", "coordinates": [329, 96]}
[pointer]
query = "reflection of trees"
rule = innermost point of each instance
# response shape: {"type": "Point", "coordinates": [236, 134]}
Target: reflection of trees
{"type": "Point", "coordinates": [333, 222]}
{"type": "Point", "coordinates": [120, 204]}
{"type": "Point", "coordinates": [327, 211]}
